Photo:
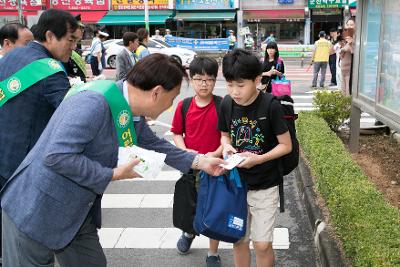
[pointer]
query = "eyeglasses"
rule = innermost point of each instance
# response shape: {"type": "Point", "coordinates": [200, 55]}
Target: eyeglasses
{"type": "Point", "coordinates": [200, 81]}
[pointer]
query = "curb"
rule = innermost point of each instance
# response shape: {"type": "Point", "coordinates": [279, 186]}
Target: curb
{"type": "Point", "coordinates": [328, 250]}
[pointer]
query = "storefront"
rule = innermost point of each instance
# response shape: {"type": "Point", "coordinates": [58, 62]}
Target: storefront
{"type": "Point", "coordinates": [326, 15]}
{"type": "Point", "coordinates": [128, 15]}
{"type": "Point", "coordinates": [91, 12]}
{"type": "Point", "coordinates": [283, 18]}
{"type": "Point", "coordinates": [193, 21]}
{"type": "Point", "coordinates": [9, 10]}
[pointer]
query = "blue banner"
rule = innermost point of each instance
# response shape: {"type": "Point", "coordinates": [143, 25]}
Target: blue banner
{"type": "Point", "coordinates": [215, 44]}
{"type": "Point", "coordinates": [204, 4]}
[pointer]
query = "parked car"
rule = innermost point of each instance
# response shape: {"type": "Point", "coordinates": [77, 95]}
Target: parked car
{"type": "Point", "coordinates": [182, 55]}
{"type": "Point", "coordinates": [107, 43]}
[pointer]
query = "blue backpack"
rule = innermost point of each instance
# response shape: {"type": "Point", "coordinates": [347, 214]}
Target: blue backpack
{"type": "Point", "coordinates": [221, 211]}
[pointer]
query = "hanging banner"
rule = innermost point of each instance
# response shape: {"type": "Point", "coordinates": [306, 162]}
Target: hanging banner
{"type": "Point", "coordinates": [204, 4]}
{"type": "Point", "coordinates": [26, 4]}
{"type": "Point", "coordinates": [327, 3]}
{"type": "Point", "coordinates": [80, 4]}
{"type": "Point", "coordinates": [139, 4]}
{"type": "Point", "coordinates": [215, 44]}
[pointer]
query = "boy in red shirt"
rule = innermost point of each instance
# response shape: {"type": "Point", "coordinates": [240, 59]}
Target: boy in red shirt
{"type": "Point", "coordinates": [198, 131]}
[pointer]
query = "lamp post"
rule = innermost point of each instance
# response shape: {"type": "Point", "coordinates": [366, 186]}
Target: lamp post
{"type": "Point", "coordinates": [20, 13]}
{"type": "Point", "coordinates": [146, 15]}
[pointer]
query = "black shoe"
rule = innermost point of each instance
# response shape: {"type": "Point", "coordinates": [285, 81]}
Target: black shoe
{"type": "Point", "coordinates": [213, 261]}
{"type": "Point", "coordinates": [184, 244]}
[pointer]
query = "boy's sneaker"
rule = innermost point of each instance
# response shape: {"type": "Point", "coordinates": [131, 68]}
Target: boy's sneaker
{"type": "Point", "coordinates": [184, 243]}
{"type": "Point", "coordinates": [213, 261]}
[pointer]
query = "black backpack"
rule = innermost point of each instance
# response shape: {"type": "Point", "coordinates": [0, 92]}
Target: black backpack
{"type": "Point", "coordinates": [290, 161]}
{"type": "Point", "coordinates": [186, 105]}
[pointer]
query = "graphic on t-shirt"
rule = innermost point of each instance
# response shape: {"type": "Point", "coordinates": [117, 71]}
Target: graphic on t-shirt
{"type": "Point", "coordinates": [246, 135]}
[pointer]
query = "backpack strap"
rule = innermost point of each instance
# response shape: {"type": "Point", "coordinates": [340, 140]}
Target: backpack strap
{"type": "Point", "coordinates": [217, 101]}
{"type": "Point", "coordinates": [185, 107]}
{"type": "Point", "coordinates": [226, 109]}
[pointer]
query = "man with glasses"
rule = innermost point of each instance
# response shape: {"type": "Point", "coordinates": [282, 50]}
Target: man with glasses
{"type": "Point", "coordinates": [195, 129]}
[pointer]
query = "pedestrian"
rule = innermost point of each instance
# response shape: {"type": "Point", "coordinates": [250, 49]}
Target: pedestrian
{"type": "Point", "coordinates": [142, 51]}
{"type": "Point", "coordinates": [76, 66]}
{"type": "Point", "coordinates": [13, 35]}
{"type": "Point", "coordinates": [167, 34]}
{"type": "Point", "coordinates": [198, 132]}
{"type": "Point", "coordinates": [346, 58]}
{"type": "Point", "coordinates": [270, 38]}
{"type": "Point", "coordinates": [320, 57]}
{"type": "Point", "coordinates": [157, 36]}
{"type": "Point", "coordinates": [97, 54]}
{"type": "Point", "coordinates": [25, 113]}
{"type": "Point", "coordinates": [126, 59]}
{"type": "Point", "coordinates": [232, 40]}
{"type": "Point", "coordinates": [272, 67]}
{"type": "Point", "coordinates": [52, 203]}
{"type": "Point", "coordinates": [337, 47]}
{"type": "Point", "coordinates": [332, 58]}
{"type": "Point", "coordinates": [242, 134]}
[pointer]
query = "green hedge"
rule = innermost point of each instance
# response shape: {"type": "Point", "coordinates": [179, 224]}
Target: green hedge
{"type": "Point", "coordinates": [368, 226]}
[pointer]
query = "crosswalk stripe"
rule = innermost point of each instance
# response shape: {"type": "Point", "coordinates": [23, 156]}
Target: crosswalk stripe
{"type": "Point", "coordinates": [133, 201]}
{"type": "Point", "coordinates": [166, 238]}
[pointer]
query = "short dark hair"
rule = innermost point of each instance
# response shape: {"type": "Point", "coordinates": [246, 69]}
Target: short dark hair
{"type": "Point", "coordinates": [272, 45]}
{"type": "Point", "coordinates": [203, 65]}
{"type": "Point", "coordinates": [57, 21]}
{"type": "Point", "coordinates": [333, 30]}
{"type": "Point", "coordinates": [142, 34]}
{"type": "Point", "coordinates": [240, 64]}
{"type": "Point", "coordinates": [156, 69]}
{"type": "Point", "coordinates": [322, 34]}
{"type": "Point", "coordinates": [129, 37]}
{"type": "Point", "coordinates": [10, 32]}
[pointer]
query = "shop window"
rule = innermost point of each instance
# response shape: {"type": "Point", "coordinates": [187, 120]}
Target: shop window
{"type": "Point", "coordinates": [370, 49]}
{"type": "Point", "coordinates": [389, 90]}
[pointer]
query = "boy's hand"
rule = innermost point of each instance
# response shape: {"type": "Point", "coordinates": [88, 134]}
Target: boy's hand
{"type": "Point", "coordinates": [250, 161]}
{"type": "Point", "coordinates": [228, 150]}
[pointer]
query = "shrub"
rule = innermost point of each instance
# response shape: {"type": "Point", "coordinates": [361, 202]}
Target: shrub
{"type": "Point", "coordinates": [333, 107]}
{"type": "Point", "coordinates": [368, 226]}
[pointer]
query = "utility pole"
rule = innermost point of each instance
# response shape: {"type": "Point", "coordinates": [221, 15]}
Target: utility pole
{"type": "Point", "coordinates": [20, 13]}
{"type": "Point", "coordinates": [239, 25]}
{"type": "Point", "coordinates": [146, 15]}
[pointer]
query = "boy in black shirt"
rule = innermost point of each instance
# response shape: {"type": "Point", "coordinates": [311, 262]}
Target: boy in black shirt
{"type": "Point", "coordinates": [242, 134]}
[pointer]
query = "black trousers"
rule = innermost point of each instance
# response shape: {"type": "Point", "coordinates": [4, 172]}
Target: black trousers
{"type": "Point", "coordinates": [332, 67]}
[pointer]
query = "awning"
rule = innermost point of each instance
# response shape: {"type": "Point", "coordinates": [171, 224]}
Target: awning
{"type": "Point", "coordinates": [276, 14]}
{"type": "Point", "coordinates": [205, 16]}
{"type": "Point", "coordinates": [134, 17]}
{"type": "Point", "coordinates": [90, 16]}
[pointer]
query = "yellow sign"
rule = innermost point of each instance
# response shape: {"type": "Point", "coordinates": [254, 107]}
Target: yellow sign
{"type": "Point", "coordinates": [139, 4]}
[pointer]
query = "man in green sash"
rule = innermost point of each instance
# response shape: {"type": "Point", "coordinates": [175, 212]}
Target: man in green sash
{"type": "Point", "coordinates": [52, 203]}
{"type": "Point", "coordinates": [32, 85]}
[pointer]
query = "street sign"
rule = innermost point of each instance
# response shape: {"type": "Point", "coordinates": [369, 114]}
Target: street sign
{"type": "Point", "coordinates": [244, 30]}
{"type": "Point", "coordinates": [327, 3]}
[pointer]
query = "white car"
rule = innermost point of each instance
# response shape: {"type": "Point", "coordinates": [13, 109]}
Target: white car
{"type": "Point", "coordinates": [182, 55]}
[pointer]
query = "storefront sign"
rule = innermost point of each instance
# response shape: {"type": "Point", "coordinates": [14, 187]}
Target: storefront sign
{"type": "Point", "coordinates": [327, 3]}
{"type": "Point", "coordinates": [139, 4]}
{"type": "Point", "coordinates": [80, 4]}
{"type": "Point", "coordinates": [26, 4]}
{"type": "Point", "coordinates": [215, 44]}
{"type": "Point", "coordinates": [204, 4]}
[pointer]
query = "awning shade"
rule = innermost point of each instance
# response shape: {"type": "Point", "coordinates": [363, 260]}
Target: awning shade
{"type": "Point", "coordinates": [134, 17]}
{"type": "Point", "coordinates": [90, 16]}
{"type": "Point", "coordinates": [273, 14]}
{"type": "Point", "coordinates": [205, 16]}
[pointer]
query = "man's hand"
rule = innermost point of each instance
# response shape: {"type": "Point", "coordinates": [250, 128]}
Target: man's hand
{"type": "Point", "coordinates": [211, 165]}
{"type": "Point", "coordinates": [250, 161]}
{"type": "Point", "coordinates": [125, 171]}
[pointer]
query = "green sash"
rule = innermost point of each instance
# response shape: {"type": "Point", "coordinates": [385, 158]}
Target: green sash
{"type": "Point", "coordinates": [27, 76]}
{"type": "Point", "coordinates": [79, 61]}
{"type": "Point", "coordinates": [120, 110]}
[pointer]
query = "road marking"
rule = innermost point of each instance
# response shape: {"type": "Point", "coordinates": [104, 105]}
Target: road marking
{"type": "Point", "coordinates": [166, 238]}
{"type": "Point", "coordinates": [136, 201]}
{"type": "Point", "coordinates": [163, 176]}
